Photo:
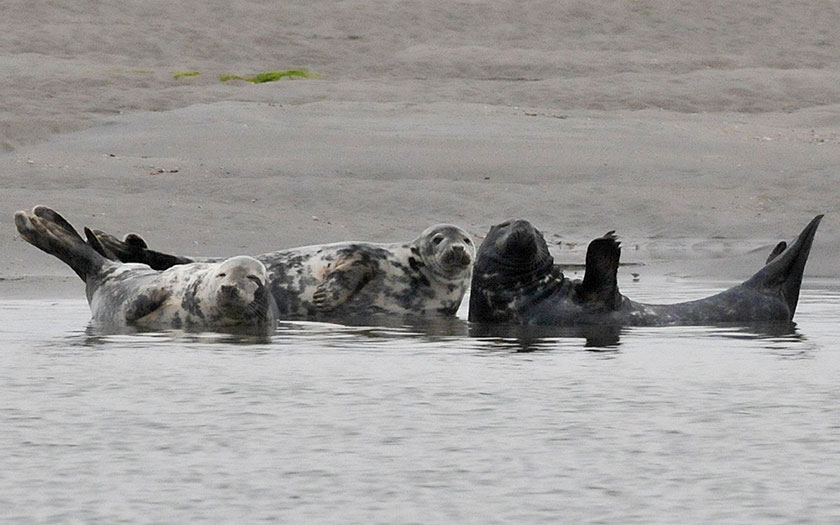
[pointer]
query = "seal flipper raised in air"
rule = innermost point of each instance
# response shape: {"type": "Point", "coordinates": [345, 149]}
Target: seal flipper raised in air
{"type": "Point", "coordinates": [783, 273]}
{"type": "Point", "coordinates": [132, 249]}
{"type": "Point", "coordinates": [47, 230]}
{"type": "Point", "coordinates": [599, 289]}
{"type": "Point", "coordinates": [782, 246]}
{"type": "Point", "coordinates": [340, 282]}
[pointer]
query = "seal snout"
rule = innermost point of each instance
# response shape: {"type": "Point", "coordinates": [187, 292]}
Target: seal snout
{"type": "Point", "coordinates": [229, 291]}
{"type": "Point", "coordinates": [458, 256]}
{"type": "Point", "coordinates": [521, 241]}
{"type": "Point", "coordinates": [230, 296]}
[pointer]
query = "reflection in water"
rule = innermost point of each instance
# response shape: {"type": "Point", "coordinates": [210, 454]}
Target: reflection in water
{"type": "Point", "coordinates": [782, 339]}
{"type": "Point", "coordinates": [608, 337]}
{"type": "Point", "coordinates": [527, 338]}
{"type": "Point", "coordinates": [96, 336]}
{"type": "Point", "coordinates": [593, 424]}
{"type": "Point", "coordinates": [369, 332]}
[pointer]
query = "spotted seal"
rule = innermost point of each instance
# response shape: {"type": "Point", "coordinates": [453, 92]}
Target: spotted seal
{"type": "Point", "coordinates": [515, 281]}
{"type": "Point", "coordinates": [424, 278]}
{"type": "Point", "coordinates": [227, 294]}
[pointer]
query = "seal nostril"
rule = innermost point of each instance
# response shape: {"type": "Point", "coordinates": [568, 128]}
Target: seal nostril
{"type": "Point", "coordinates": [229, 291]}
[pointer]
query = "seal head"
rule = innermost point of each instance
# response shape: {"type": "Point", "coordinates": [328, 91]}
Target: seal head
{"type": "Point", "coordinates": [447, 250]}
{"type": "Point", "coordinates": [238, 286]}
{"type": "Point", "coordinates": [513, 251]}
{"type": "Point", "coordinates": [513, 264]}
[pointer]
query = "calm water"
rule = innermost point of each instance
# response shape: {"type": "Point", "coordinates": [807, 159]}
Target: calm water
{"type": "Point", "coordinates": [324, 423]}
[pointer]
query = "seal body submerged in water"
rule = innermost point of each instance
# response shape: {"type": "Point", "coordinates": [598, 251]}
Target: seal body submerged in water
{"type": "Point", "coordinates": [228, 294]}
{"type": "Point", "coordinates": [422, 278]}
{"type": "Point", "coordinates": [515, 281]}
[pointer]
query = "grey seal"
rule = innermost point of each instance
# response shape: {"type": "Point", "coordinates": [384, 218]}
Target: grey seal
{"type": "Point", "coordinates": [227, 294]}
{"type": "Point", "coordinates": [516, 281]}
{"type": "Point", "coordinates": [424, 278]}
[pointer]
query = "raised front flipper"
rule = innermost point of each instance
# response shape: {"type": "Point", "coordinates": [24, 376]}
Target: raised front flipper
{"type": "Point", "coordinates": [146, 303]}
{"type": "Point", "coordinates": [132, 249]}
{"type": "Point", "coordinates": [341, 281]}
{"type": "Point", "coordinates": [600, 281]}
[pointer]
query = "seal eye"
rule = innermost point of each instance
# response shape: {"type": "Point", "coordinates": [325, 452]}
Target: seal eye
{"type": "Point", "coordinates": [223, 274]}
{"type": "Point", "coordinates": [467, 241]}
{"type": "Point", "coordinates": [437, 239]}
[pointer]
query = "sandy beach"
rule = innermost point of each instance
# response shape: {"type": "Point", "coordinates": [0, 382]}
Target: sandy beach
{"type": "Point", "coordinates": [703, 135]}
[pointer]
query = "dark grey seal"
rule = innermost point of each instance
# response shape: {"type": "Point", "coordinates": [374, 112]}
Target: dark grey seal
{"type": "Point", "coordinates": [228, 294]}
{"type": "Point", "coordinates": [515, 281]}
{"type": "Point", "coordinates": [423, 278]}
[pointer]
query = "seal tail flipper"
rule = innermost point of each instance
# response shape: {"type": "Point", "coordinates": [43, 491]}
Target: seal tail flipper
{"type": "Point", "coordinates": [45, 229]}
{"type": "Point", "coordinates": [94, 243]}
{"type": "Point", "coordinates": [782, 246]}
{"type": "Point", "coordinates": [784, 270]}
{"type": "Point", "coordinates": [600, 278]}
{"type": "Point", "coordinates": [132, 249]}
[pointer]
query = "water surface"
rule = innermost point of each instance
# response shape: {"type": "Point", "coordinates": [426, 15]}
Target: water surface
{"type": "Point", "coordinates": [435, 424]}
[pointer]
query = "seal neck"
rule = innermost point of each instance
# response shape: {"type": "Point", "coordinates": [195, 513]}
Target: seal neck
{"type": "Point", "coordinates": [501, 297]}
{"type": "Point", "coordinates": [512, 275]}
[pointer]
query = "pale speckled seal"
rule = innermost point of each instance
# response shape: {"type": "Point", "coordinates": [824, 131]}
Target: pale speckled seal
{"type": "Point", "coordinates": [515, 281]}
{"type": "Point", "coordinates": [227, 294]}
{"type": "Point", "coordinates": [426, 277]}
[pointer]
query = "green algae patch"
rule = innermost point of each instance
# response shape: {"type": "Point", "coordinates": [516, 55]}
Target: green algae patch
{"type": "Point", "coordinates": [271, 76]}
{"type": "Point", "coordinates": [181, 74]}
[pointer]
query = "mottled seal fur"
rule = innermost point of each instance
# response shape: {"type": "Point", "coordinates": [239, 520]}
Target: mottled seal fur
{"type": "Point", "coordinates": [227, 294]}
{"type": "Point", "coordinates": [515, 281]}
{"type": "Point", "coordinates": [423, 278]}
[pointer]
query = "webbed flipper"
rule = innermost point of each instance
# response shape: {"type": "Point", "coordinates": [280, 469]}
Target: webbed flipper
{"type": "Point", "coordinates": [784, 271]}
{"type": "Point", "coordinates": [47, 230]}
{"type": "Point", "coordinates": [132, 249]}
{"type": "Point", "coordinates": [340, 282]}
{"type": "Point", "coordinates": [146, 303]}
{"type": "Point", "coordinates": [94, 243]}
{"type": "Point", "coordinates": [600, 279]}
{"type": "Point", "coordinates": [782, 246]}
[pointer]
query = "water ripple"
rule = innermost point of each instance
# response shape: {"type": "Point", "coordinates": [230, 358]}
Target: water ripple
{"type": "Point", "coordinates": [444, 423]}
